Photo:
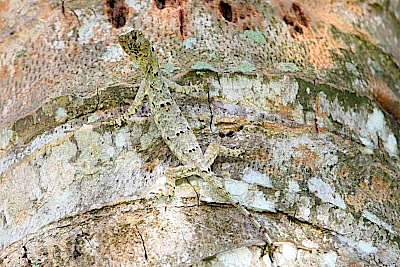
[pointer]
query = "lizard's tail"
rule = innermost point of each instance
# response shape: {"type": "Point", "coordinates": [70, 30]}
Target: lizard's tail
{"type": "Point", "coordinates": [213, 181]}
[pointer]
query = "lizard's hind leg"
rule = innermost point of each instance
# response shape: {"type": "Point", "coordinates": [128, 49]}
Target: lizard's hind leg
{"type": "Point", "coordinates": [214, 150]}
{"type": "Point", "coordinates": [211, 153]}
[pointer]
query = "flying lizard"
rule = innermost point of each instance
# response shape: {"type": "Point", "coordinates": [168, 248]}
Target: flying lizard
{"type": "Point", "coordinates": [173, 126]}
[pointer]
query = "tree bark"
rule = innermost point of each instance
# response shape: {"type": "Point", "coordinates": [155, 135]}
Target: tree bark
{"type": "Point", "coordinates": [309, 89]}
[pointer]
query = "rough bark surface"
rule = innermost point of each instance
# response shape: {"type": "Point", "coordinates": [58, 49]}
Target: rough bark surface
{"type": "Point", "coordinates": [309, 89]}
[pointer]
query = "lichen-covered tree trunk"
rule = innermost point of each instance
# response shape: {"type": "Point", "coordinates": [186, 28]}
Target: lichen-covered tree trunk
{"type": "Point", "coordinates": [308, 89]}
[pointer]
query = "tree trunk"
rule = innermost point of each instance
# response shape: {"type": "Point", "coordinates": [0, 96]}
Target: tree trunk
{"type": "Point", "coordinates": [308, 89]}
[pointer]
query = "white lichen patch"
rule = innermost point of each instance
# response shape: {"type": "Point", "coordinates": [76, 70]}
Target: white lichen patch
{"type": "Point", "coordinates": [372, 217]}
{"type": "Point", "coordinates": [375, 219]}
{"type": "Point", "coordinates": [286, 254]}
{"type": "Point", "coordinates": [258, 93]}
{"type": "Point", "coordinates": [329, 259]}
{"type": "Point", "coordinates": [376, 128]}
{"type": "Point", "coordinates": [390, 144]}
{"type": "Point", "coordinates": [40, 191]}
{"type": "Point", "coordinates": [6, 135]}
{"type": "Point", "coordinates": [61, 115]}
{"type": "Point", "coordinates": [286, 149]}
{"type": "Point", "coordinates": [259, 203]}
{"type": "Point", "coordinates": [240, 257]}
{"type": "Point", "coordinates": [90, 144]}
{"type": "Point", "coordinates": [325, 192]}
{"type": "Point", "coordinates": [93, 118]}
{"type": "Point", "coordinates": [352, 68]}
{"type": "Point", "coordinates": [113, 53]}
{"type": "Point", "coordinates": [13, 157]}
{"type": "Point", "coordinates": [249, 196]}
{"type": "Point", "coordinates": [92, 28]}
{"type": "Point", "coordinates": [237, 188]}
{"type": "Point", "coordinates": [371, 128]}
{"type": "Point", "coordinates": [287, 67]}
{"type": "Point", "coordinates": [121, 138]}
{"type": "Point", "coordinates": [190, 43]}
{"type": "Point", "coordinates": [367, 247]}
{"type": "Point", "coordinates": [310, 244]}
{"type": "Point", "coordinates": [137, 5]}
{"type": "Point", "coordinates": [304, 208]}
{"type": "Point", "coordinates": [294, 186]}
{"type": "Point", "coordinates": [255, 177]}
{"type": "Point", "coordinates": [53, 168]}
{"type": "Point", "coordinates": [358, 245]}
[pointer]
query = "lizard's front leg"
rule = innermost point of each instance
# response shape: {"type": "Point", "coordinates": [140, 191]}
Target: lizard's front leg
{"type": "Point", "coordinates": [174, 87]}
{"type": "Point", "coordinates": [137, 102]}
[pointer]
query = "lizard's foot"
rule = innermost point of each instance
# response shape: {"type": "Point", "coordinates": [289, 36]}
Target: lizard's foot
{"type": "Point", "coordinates": [157, 192]}
{"type": "Point", "coordinates": [119, 122]}
{"type": "Point", "coordinates": [173, 86]}
{"type": "Point", "coordinates": [233, 152]}
{"type": "Point", "coordinates": [177, 173]}
{"type": "Point", "coordinates": [160, 189]}
{"type": "Point", "coordinates": [137, 102]}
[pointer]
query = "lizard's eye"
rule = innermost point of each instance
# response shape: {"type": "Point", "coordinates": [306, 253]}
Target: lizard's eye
{"type": "Point", "coordinates": [152, 49]}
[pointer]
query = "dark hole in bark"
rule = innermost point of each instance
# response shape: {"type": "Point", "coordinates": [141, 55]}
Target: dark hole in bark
{"type": "Point", "coordinates": [181, 22]}
{"type": "Point", "coordinates": [298, 29]}
{"type": "Point", "coordinates": [226, 11]}
{"type": "Point", "coordinates": [300, 14]}
{"type": "Point", "coordinates": [160, 4]}
{"type": "Point", "coordinates": [117, 11]}
{"type": "Point", "coordinates": [288, 21]}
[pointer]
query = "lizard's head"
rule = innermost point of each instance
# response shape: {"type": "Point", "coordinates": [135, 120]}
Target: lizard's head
{"type": "Point", "coordinates": [138, 48]}
{"type": "Point", "coordinates": [135, 45]}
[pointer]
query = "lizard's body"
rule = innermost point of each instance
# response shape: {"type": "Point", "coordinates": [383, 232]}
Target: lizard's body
{"type": "Point", "coordinates": [176, 134]}
{"type": "Point", "coordinates": [174, 127]}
